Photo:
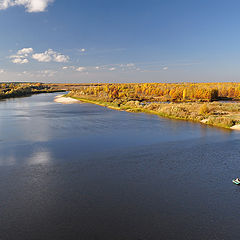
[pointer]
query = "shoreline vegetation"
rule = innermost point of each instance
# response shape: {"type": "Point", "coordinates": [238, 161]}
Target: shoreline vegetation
{"type": "Point", "coordinates": [214, 104]}
{"type": "Point", "coordinates": [12, 90]}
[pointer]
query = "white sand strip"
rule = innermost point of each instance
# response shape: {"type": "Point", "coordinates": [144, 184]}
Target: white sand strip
{"type": "Point", "coordinates": [236, 127]}
{"type": "Point", "coordinates": [65, 100]}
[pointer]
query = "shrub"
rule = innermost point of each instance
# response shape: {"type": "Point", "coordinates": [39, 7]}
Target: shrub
{"type": "Point", "coordinates": [204, 109]}
{"type": "Point", "coordinates": [222, 121]}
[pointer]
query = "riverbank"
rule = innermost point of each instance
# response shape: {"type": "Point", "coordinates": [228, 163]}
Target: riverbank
{"type": "Point", "coordinates": [225, 115]}
{"type": "Point", "coordinates": [65, 100]}
{"type": "Point", "coordinates": [13, 90]}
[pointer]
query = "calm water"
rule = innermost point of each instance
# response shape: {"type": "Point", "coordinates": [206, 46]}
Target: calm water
{"type": "Point", "coordinates": [82, 171]}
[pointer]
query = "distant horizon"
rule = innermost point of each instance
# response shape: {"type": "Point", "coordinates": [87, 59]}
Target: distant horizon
{"type": "Point", "coordinates": [73, 83]}
{"type": "Point", "coordinates": [96, 82]}
{"type": "Point", "coordinates": [129, 41]}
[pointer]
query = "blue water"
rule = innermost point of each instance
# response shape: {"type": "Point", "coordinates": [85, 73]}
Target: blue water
{"type": "Point", "coordinates": [82, 171]}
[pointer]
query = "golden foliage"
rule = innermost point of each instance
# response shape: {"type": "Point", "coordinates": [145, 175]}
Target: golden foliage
{"type": "Point", "coordinates": [162, 91]}
{"type": "Point", "coordinates": [204, 109]}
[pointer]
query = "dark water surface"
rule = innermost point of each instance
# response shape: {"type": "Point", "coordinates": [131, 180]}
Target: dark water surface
{"type": "Point", "coordinates": [82, 171]}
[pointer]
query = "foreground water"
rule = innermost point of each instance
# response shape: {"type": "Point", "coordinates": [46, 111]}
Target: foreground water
{"type": "Point", "coordinates": [82, 171]}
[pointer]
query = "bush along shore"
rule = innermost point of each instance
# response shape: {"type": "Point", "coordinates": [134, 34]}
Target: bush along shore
{"type": "Point", "coordinates": [11, 90]}
{"type": "Point", "coordinates": [224, 114]}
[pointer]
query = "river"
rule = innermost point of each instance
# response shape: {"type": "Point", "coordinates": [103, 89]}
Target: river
{"type": "Point", "coordinates": [82, 171]}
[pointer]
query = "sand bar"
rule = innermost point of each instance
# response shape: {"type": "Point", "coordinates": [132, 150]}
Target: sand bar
{"type": "Point", "coordinates": [65, 100]}
{"type": "Point", "coordinates": [236, 127]}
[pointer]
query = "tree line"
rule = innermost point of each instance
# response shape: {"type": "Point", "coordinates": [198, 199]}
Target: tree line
{"type": "Point", "coordinates": [8, 90]}
{"type": "Point", "coordinates": [162, 91]}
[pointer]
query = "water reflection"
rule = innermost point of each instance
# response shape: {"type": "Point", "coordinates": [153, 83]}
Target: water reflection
{"type": "Point", "coordinates": [8, 160]}
{"type": "Point", "coordinates": [86, 172]}
{"type": "Point", "coordinates": [40, 157]}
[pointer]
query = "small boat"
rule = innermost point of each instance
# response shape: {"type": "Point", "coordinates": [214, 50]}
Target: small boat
{"type": "Point", "coordinates": [236, 181]}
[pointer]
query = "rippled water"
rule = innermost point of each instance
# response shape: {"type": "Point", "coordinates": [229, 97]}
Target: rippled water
{"type": "Point", "coordinates": [82, 171]}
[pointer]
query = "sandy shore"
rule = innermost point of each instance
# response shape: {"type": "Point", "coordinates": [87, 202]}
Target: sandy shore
{"type": "Point", "coordinates": [236, 127]}
{"type": "Point", "coordinates": [65, 100]}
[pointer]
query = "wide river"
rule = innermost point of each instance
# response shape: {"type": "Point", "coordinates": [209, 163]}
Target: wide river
{"type": "Point", "coordinates": [86, 172]}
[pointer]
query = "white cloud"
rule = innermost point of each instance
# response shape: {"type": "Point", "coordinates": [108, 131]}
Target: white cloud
{"type": "Point", "coordinates": [69, 67]}
{"type": "Point", "coordinates": [42, 57]}
{"type": "Point", "coordinates": [60, 58]}
{"type": "Point", "coordinates": [102, 68]}
{"type": "Point", "coordinates": [19, 60]}
{"type": "Point", "coordinates": [17, 56]}
{"type": "Point", "coordinates": [80, 69]}
{"type": "Point", "coordinates": [40, 73]}
{"type": "Point", "coordinates": [75, 68]}
{"type": "Point", "coordinates": [118, 66]}
{"type": "Point", "coordinates": [165, 68]}
{"type": "Point", "coordinates": [49, 56]}
{"type": "Point", "coordinates": [130, 65]}
{"type": "Point", "coordinates": [83, 50]}
{"type": "Point", "coordinates": [1, 71]}
{"type": "Point", "coordinates": [30, 5]}
{"type": "Point", "coordinates": [25, 51]}
{"type": "Point", "coordinates": [24, 54]}
{"type": "Point", "coordinates": [47, 73]}
{"type": "Point", "coordinates": [21, 56]}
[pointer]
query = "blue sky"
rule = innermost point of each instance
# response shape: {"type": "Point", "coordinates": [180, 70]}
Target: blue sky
{"type": "Point", "coordinates": [119, 41]}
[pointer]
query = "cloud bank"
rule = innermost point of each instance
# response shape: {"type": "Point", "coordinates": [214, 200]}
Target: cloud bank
{"type": "Point", "coordinates": [22, 56]}
{"type": "Point", "coordinates": [25, 51]}
{"type": "Point", "coordinates": [30, 5]}
{"type": "Point", "coordinates": [20, 60]}
{"type": "Point", "coordinates": [49, 56]}
{"type": "Point", "coordinates": [103, 68]}
{"type": "Point", "coordinates": [80, 69]}
{"type": "Point", "coordinates": [25, 54]}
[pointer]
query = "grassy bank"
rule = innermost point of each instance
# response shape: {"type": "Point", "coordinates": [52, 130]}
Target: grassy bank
{"type": "Point", "coordinates": [218, 114]}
